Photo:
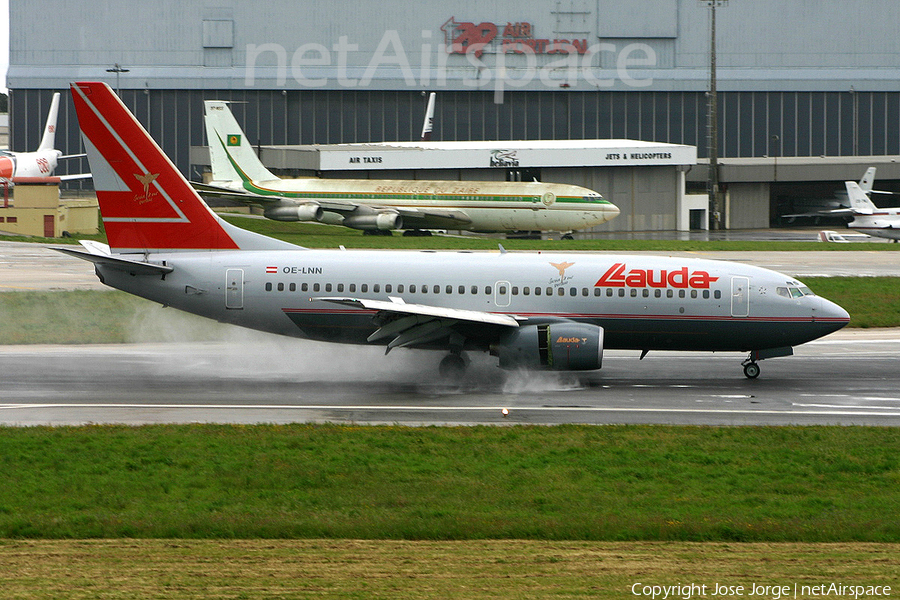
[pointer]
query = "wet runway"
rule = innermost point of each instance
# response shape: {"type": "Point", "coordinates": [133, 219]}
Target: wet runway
{"type": "Point", "coordinates": [847, 378]}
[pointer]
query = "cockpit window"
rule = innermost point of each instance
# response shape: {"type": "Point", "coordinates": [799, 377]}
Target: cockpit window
{"type": "Point", "coordinates": [597, 198]}
{"type": "Point", "coordinates": [794, 292]}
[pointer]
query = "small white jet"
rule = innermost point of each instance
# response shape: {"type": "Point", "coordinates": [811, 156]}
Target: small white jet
{"type": "Point", "coordinates": [43, 161]}
{"type": "Point", "coordinates": [868, 218]}
{"type": "Point", "coordinates": [383, 205]}
{"type": "Point", "coordinates": [553, 311]}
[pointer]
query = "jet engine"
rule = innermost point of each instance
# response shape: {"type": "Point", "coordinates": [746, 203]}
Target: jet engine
{"type": "Point", "coordinates": [382, 220]}
{"type": "Point", "coordinates": [564, 346]}
{"type": "Point", "coordinates": [294, 212]}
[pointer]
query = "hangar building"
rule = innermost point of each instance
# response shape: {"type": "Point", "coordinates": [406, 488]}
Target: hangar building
{"type": "Point", "coordinates": [796, 79]}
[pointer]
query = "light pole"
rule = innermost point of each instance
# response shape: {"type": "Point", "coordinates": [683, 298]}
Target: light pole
{"type": "Point", "coordinates": [117, 68]}
{"type": "Point", "coordinates": [712, 116]}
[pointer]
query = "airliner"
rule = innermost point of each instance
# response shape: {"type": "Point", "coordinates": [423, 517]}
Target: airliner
{"type": "Point", "coordinates": [43, 161]}
{"type": "Point", "coordinates": [374, 205]}
{"type": "Point", "coordinates": [554, 311]}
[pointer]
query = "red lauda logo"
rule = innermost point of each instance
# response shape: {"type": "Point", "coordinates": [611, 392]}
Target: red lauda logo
{"type": "Point", "coordinates": [616, 276]}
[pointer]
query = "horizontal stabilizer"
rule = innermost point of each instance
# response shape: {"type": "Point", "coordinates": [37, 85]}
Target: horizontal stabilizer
{"type": "Point", "coordinates": [134, 267]}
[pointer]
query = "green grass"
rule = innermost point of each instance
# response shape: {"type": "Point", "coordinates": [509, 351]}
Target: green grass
{"type": "Point", "coordinates": [809, 484]}
{"type": "Point", "coordinates": [326, 236]}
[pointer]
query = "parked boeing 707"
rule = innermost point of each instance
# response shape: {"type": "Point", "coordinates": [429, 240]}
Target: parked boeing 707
{"type": "Point", "coordinates": [535, 310]}
{"type": "Point", "coordinates": [375, 205]}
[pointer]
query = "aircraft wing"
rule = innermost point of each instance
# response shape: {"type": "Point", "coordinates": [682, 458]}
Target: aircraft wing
{"type": "Point", "coordinates": [413, 217]}
{"type": "Point", "coordinates": [416, 324]}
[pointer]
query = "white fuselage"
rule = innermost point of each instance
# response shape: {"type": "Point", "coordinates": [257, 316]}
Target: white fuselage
{"type": "Point", "coordinates": [642, 302]}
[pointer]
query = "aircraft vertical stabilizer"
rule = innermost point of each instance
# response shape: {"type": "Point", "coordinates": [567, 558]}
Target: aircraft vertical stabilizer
{"type": "Point", "coordinates": [231, 155]}
{"type": "Point", "coordinates": [146, 203]}
{"type": "Point", "coordinates": [48, 141]}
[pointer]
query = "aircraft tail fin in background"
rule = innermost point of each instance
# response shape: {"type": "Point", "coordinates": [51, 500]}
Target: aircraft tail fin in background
{"type": "Point", "coordinates": [859, 201]}
{"type": "Point", "coordinates": [230, 152]}
{"type": "Point", "coordinates": [146, 203]}
{"type": "Point", "coordinates": [428, 125]}
{"type": "Point", "coordinates": [48, 140]}
{"type": "Point", "coordinates": [868, 180]}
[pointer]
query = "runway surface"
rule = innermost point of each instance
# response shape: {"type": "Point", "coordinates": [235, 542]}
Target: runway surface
{"type": "Point", "coordinates": [847, 378]}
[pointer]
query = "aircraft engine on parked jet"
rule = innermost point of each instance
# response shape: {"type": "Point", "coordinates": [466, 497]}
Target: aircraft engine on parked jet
{"type": "Point", "coordinates": [564, 346]}
{"type": "Point", "coordinates": [294, 212]}
{"type": "Point", "coordinates": [385, 220]}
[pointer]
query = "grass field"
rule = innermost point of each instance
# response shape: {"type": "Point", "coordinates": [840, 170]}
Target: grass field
{"type": "Point", "coordinates": [399, 570]}
{"type": "Point", "coordinates": [785, 484]}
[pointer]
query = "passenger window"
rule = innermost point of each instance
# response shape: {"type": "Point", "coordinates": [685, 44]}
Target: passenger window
{"type": "Point", "coordinates": [645, 293]}
{"type": "Point", "coordinates": [705, 294]}
{"type": "Point", "coordinates": [462, 290]}
{"type": "Point", "coordinates": [681, 293]}
{"type": "Point", "coordinates": [537, 291]}
{"type": "Point", "coordinates": [327, 287]}
{"type": "Point", "coordinates": [269, 287]}
{"type": "Point", "coordinates": [376, 288]}
{"type": "Point", "coordinates": [448, 289]}
{"type": "Point", "coordinates": [412, 289]}
{"type": "Point", "coordinates": [387, 288]}
{"type": "Point", "coordinates": [293, 287]}
{"type": "Point", "coordinates": [717, 294]}
{"type": "Point", "coordinates": [609, 292]}
{"type": "Point", "coordinates": [364, 287]}
{"type": "Point", "coordinates": [400, 289]}
{"type": "Point", "coordinates": [304, 287]}
{"type": "Point", "coordinates": [549, 291]}
{"type": "Point", "coordinates": [658, 293]}
{"type": "Point", "coordinates": [669, 293]}
{"type": "Point", "coordinates": [424, 289]}
{"type": "Point", "coordinates": [526, 290]}
{"type": "Point", "coordinates": [502, 289]}
{"type": "Point", "coordinates": [573, 291]}
{"type": "Point", "coordinates": [487, 290]}
{"type": "Point", "coordinates": [280, 287]}
{"type": "Point", "coordinates": [621, 292]}
{"type": "Point", "coordinates": [474, 290]}
{"type": "Point", "coordinates": [693, 293]}
{"type": "Point", "coordinates": [515, 290]}
{"type": "Point", "coordinates": [340, 287]}
{"type": "Point", "coordinates": [316, 287]}
{"type": "Point", "coordinates": [584, 292]}
{"type": "Point", "coordinates": [436, 289]}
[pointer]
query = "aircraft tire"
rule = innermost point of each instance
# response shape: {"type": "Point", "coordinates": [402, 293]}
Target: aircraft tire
{"type": "Point", "coordinates": [751, 370]}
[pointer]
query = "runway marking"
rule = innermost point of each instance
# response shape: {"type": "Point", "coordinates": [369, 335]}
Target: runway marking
{"type": "Point", "coordinates": [842, 411]}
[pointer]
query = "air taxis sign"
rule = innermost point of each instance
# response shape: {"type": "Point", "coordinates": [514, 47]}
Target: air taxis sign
{"type": "Point", "coordinates": [463, 37]}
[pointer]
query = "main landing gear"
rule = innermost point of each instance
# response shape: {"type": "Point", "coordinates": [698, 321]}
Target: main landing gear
{"type": "Point", "coordinates": [453, 366]}
{"type": "Point", "coordinates": [751, 369]}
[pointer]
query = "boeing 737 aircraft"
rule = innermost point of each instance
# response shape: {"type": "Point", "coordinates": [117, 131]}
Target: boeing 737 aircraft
{"type": "Point", "coordinates": [532, 310]}
{"type": "Point", "coordinates": [384, 205]}
{"type": "Point", "coordinates": [43, 161]}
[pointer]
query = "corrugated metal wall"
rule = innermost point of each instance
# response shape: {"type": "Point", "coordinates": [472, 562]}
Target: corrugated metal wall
{"type": "Point", "coordinates": [751, 123]}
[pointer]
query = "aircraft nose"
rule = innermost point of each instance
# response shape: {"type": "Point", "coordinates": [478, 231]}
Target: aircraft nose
{"type": "Point", "coordinates": [829, 312]}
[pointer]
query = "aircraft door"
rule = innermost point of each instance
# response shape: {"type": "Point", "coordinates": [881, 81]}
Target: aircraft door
{"type": "Point", "coordinates": [740, 296]}
{"type": "Point", "coordinates": [501, 293]}
{"type": "Point", "coordinates": [234, 288]}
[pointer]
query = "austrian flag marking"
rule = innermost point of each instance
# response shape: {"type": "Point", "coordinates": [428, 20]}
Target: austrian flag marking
{"type": "Point", "coordinates": [616, 276]}
{"type": "Point", "coordinates": [271, 269]}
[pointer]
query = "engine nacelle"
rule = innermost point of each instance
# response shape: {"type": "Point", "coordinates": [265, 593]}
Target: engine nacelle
{"type": "Point", "coordinates": [553, 346]}
{"type": "Point", "coordinates": [294, 212]}
{"type": "Point", "coordinates": [386, 220]}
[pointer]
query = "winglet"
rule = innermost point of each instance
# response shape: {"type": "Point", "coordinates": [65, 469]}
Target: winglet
{"type": "Point", "coordinates": [146, 203]}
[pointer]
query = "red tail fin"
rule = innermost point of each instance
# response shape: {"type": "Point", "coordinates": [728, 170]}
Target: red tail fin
{"type": "Point", "coordinates": [146, 203]}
